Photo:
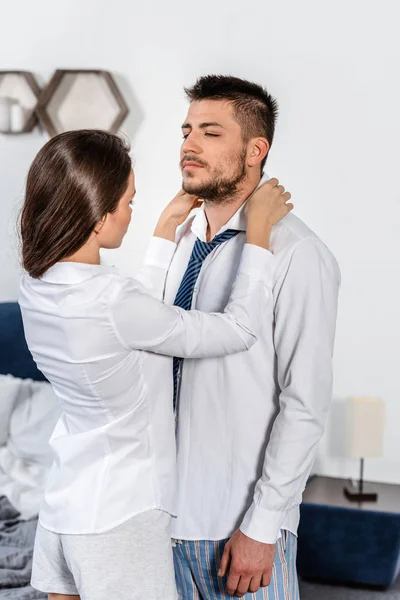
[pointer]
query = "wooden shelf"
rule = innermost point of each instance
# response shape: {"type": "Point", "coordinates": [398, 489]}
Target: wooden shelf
{"type": "Point", "coordinates": [21, 87]}
{"type": "Point", "coordinates": [81, 99]}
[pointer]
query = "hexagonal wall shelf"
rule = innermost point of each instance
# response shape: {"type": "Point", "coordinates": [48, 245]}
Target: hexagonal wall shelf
{"type": "Point", "coordinates": [75, 99]}
{"type": "Point", "coordinates": [19, 93]}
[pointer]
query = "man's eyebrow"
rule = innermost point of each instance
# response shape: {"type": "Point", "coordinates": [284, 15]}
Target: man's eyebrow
{"type": "Point", "coordinates": [203, 125]}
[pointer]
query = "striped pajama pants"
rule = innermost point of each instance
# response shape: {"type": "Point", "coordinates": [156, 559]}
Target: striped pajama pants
{"type": "Point", "coordinates": [197, 562]}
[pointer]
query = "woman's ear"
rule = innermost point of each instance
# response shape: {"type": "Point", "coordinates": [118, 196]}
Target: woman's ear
{"type": "Point", "coordinates": [99, 225]}
{"type": "Point", "coordinates": [258, 150]}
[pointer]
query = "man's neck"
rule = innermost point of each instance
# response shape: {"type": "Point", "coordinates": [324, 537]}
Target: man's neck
{"type": "Point", "coordinates": [219, 214]}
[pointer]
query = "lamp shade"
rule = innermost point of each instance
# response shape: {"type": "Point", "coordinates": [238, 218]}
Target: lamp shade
{"type": "Point", "coordinates": [365, 427]}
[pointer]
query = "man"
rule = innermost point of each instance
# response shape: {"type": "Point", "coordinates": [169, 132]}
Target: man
{"type": "Point", "coordinates": [247, 425]}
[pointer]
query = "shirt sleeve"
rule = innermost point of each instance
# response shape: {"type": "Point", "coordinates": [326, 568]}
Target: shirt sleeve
{"type": "Point", "coordinates": [151, 277]}
{"type": "Point", "coordinates": [144, 323]}
{"type": "Point", "coordinates": [305, 319]}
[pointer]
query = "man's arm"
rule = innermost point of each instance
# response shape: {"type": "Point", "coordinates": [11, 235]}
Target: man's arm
{"type": "Point", "coordinates": [305, 318]}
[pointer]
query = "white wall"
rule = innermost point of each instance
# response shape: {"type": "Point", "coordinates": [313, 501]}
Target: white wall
{"type": "Point", "coordinates": [335, 70]}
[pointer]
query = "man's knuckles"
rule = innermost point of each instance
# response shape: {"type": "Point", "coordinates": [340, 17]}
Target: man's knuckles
{"type": "Point", "coordinates": [244, 570]}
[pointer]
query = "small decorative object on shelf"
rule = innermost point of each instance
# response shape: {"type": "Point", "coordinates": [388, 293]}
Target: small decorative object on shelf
{"type": "Point", "coordinates": [19, 93]}
{"type": "Point", "coordinates": [76, 99]}
{"type": "Point", "coordinates": [365, 433]}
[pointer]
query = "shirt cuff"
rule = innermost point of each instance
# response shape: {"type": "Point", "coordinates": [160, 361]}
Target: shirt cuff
{"type": "Point", "coordinates": [262, 525]}
{"type": "Point", "coordinates": [258, 263]}
{"type": "Point", "coordinates": [160, 252]}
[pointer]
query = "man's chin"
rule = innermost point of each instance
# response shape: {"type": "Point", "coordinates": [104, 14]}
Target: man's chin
{"type": "Point", "coordinates": [191, 186]}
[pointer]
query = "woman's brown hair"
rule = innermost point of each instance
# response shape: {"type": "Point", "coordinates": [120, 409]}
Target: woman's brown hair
{"type": "Point", "coordinates": [75, 180]}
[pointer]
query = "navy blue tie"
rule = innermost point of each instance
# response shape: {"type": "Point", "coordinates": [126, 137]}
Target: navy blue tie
{"type": "Point", "coordinates": [184, 295]}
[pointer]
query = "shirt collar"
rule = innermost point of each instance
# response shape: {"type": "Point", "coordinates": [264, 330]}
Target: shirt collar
{"type": "Point", "coordinates": [71, 272]}
{"type": "Point", "coordinates": [237, 221]}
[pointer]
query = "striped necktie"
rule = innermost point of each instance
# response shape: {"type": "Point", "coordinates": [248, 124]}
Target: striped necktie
{"type": "Point", "coordinates": [184, 295]}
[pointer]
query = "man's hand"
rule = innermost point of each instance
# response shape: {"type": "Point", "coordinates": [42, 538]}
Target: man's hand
{"type": "Point", "coordinates": [249, 564]}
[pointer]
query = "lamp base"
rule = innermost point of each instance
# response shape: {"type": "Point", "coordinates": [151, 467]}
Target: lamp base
{"type": "Point", "coordinates": [363, 494]}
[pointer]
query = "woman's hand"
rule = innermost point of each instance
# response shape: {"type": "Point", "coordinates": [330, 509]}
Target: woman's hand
{"type": "Point", "coordinates": [176, 213]}
{"type": "Point", "coordinates": [268, 205]}
{"type": "Point", "coordinates": [180, 207]}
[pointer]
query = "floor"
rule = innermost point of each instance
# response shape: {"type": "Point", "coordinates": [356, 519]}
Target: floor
{"type": "Point", "coordinates": [314, 591]}
{"type": "Point", "coordinates": [308, 591]}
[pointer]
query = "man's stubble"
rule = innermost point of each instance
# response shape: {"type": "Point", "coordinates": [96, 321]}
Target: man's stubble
{"type": "Point", "coordinates": [220, 189]}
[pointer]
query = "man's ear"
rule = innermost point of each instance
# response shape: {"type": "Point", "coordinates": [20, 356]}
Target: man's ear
{"type": "Point", "coordinates": [257, 151]}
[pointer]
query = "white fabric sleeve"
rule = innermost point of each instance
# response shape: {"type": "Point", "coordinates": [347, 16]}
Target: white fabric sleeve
{"type": "Point", "coordinates": [151, 277]}
{"type": "Point", "coordinates": [305, 319]}
{"type": "Point", "coordinates": [144, 323]}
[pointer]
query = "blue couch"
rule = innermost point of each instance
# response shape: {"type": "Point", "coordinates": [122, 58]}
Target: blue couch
{"type": "Point", "coordinates": [15, 358]}
{"type": "Point", "coordinates": [357, 544]}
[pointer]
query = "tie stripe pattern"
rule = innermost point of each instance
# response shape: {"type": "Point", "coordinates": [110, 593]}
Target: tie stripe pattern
{"type": "Point", "coordinates": [184, 295]}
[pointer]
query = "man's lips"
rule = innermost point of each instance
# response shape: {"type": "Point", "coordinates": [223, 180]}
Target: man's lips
{"type": "Point", "coordinates": [191, 165]}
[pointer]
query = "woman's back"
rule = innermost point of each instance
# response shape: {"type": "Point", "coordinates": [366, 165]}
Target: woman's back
{"type": "Point", "coordinates": [115, 439]}
{"type": "Point", "coordinates": [71, 337]}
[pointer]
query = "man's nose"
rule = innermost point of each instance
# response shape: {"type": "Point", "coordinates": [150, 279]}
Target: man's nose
{"type": "Point", "coordinates": [191, 145]}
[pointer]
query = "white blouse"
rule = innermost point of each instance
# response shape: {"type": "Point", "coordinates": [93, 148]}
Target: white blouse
{"type": "Point", "coordinates": [86, 326]}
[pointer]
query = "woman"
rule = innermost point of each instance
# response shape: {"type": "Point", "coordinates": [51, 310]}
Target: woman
{"type": "Point", "coordinates": [104, 525]}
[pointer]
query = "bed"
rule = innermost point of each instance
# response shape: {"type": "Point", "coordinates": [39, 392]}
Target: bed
{"type": "Point", "coordinates": [27, 414]}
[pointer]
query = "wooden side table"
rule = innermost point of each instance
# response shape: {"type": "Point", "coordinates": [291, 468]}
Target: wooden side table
{"type": "Point", "coordinates": [349, 542]}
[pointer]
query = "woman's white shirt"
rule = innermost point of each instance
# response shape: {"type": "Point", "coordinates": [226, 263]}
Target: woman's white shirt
{"type": "Point", "coordinates": [87, 327]}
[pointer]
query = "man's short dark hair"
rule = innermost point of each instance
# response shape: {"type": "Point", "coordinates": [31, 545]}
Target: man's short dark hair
{"type": "Point", "coordinates": [254, 108]}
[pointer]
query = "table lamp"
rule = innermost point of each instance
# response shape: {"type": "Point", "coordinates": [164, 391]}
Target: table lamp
{"type": "Point", "coordinates": [365, 429]}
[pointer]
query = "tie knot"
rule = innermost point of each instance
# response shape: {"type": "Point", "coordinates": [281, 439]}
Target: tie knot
{"type": "Point", "coordinates": [202, 249]}
{"type": "Point", "coordinates": [224, 236]}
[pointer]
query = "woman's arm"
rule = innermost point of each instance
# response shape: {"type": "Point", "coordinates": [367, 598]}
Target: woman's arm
{"type": "Point", "coordinates": [144, 323]}
{"type": "Point", "coordinates": [151, 277]}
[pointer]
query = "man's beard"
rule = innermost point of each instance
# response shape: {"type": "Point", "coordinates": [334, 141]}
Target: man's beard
{"type": "Point", "coordinates": [219, 189]}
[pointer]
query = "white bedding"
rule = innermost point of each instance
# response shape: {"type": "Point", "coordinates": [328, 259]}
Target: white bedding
{"type": "Point", "coordinates": [28, 414]}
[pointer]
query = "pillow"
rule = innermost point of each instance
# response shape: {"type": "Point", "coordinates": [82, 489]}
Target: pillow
{"type": "Point", "coordinates": [9, 391]}
{"type": "Point", "coordinates": [32, 421]}
{"type": "Point", "coordinates": [28, 413]}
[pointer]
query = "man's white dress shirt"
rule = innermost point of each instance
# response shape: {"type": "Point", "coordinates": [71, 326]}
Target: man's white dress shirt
{"type": "Point", "coordinates": [249, 424]}
{"type": "Point", "coordinates": [114, 445]}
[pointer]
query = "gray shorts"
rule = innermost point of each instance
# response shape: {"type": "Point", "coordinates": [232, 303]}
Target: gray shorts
{"type": "Point", "coordinates": [130, 562]}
